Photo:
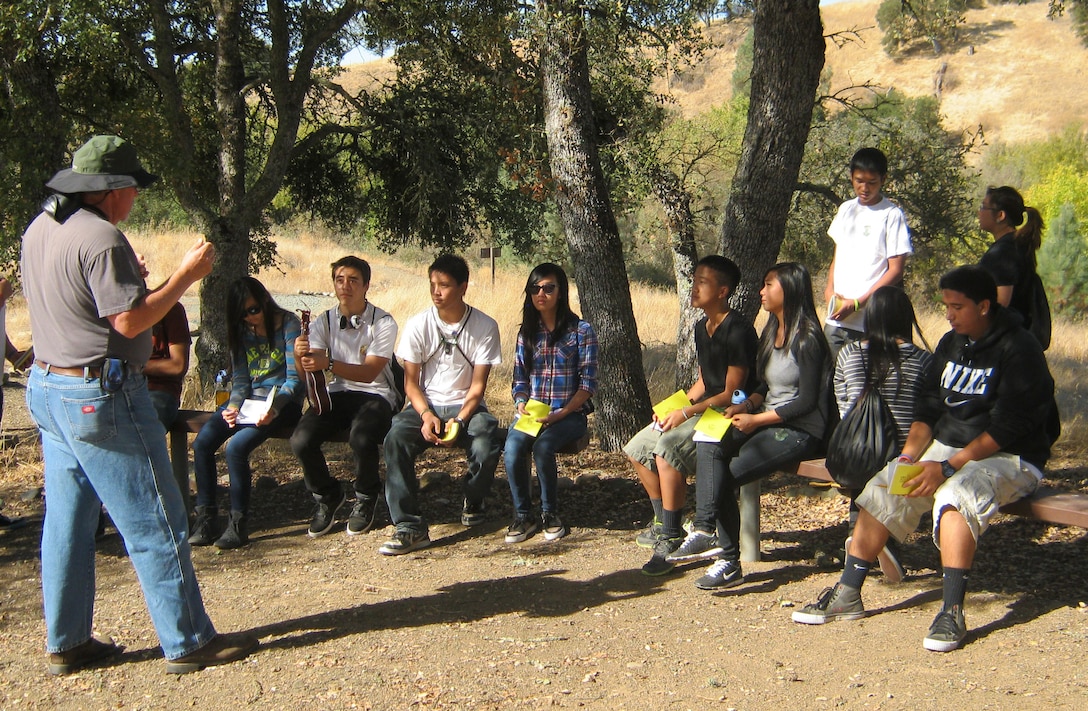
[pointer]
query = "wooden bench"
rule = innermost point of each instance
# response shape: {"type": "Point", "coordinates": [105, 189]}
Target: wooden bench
{"type": "Point", "coordinates": [190, 421]}
{"type": "Point", "coordinates": [1047, 504]}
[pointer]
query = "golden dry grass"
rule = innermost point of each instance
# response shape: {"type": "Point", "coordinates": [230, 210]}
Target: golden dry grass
{"type": "Point", "coordinates": [1017, 73]}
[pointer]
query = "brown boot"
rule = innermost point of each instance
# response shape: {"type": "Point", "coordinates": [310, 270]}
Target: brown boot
{"type": "Point", "coordinates": [223, 649]}
{"type": "Point", "coordinates": [92, 651]}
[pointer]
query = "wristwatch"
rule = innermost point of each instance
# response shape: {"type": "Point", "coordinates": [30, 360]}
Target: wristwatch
{"type": "Point", "coordinates": [947, 469]}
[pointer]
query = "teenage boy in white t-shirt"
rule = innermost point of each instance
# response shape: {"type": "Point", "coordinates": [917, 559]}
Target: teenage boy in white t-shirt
{"type": "Point", "coordinates": [447, 351]}
{"type": "Point", "coordinates": [353, 344]}
{"type": "Point", "coordinates": [872, 242]}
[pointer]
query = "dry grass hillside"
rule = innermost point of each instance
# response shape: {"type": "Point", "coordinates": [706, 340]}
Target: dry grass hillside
{"type": "Point", "coordinates": [1016, 73]}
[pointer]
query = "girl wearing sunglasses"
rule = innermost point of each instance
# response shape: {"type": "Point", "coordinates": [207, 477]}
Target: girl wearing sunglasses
{"type": "Point", "coordinates": [555, 363]}
{"type": "Point", "coordinates": [261, 336]}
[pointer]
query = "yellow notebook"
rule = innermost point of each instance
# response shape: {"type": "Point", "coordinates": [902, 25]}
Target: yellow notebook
{"type": "Point", "coordinates": [713, 425]}
{"type": "Point", "coordinates": [901, 474]}
{"type": "Point", "coordinates": [677, 400]}
{"type": "Point", "coordinates": [527, 423]}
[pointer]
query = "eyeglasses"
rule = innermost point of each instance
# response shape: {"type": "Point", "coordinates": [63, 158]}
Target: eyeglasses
{"type": "Point", "coordinates": [548, 289]}
{"type": "Point", "coordinates": [987, 207]}
{"type": "Point", "coordinates": [254, 310]}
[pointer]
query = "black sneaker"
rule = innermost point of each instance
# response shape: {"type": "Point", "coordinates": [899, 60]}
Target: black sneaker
{"type": "Point", "coordinates": [10, 524]}
{"type": "Point", "coordinates": [648, 537]}
{"type": "Point", "coordinates": [520, 529]}
{"type": "Point", "coordinates": [722, 574]}
{"type": "Point", "coordinates": [947, 631]}
{"type": "Point", "coordinates": [837, 603]}
{"type": "Point", "coordinates": [472, 514]}
{"type": "Point", "coordinates": [552, 526]}
{"type": "Point", "coordinates": [325, 516]}
{"type": "Point", "coordinates": [363, 515]}
{"type": "Point", "coordinates": [205, 530]}
{"type": "Point", "coordinates": [699, 545]}
{"type": "Point", "coordinates": [659, 564]}
{"type": "Point", "coordinates": [405, 542]}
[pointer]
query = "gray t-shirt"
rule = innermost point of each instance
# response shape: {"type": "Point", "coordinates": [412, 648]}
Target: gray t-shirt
{"type": "Point", "coordinates": [74, 276]}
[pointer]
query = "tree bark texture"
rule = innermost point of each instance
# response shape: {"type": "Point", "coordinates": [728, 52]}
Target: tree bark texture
{"type": "Point", "coordinates": [676, 203]}
{"type": "Point", "coordinates": [584, 207]}
{"type": "Point", "coordinates": [788, 56]}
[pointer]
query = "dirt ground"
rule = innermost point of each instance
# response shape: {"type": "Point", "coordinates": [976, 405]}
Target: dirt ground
{"type": "Point", "coordinates": [472, 623]}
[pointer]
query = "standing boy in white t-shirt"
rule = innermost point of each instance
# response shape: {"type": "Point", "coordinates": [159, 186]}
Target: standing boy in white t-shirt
{"type": "Point", "coordinates": [872, 242]}
{"type": "Point", "coordinates": [448, 351]}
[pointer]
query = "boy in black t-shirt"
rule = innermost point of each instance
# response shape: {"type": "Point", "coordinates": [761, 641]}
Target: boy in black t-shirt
{"type": "Point", "coordinates": [663, 453]}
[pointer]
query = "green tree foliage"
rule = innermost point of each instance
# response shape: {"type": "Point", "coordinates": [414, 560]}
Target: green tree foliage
{"type": "Point", "coordinates": [1063, 264]}
{"type": "Point", "coordinates": [928, 178]}
{"type": "Point", "coordinates": [908, 22]}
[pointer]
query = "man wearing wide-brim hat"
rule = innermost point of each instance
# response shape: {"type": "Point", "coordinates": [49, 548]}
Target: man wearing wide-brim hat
{"type": "Point", "coordinates": [91, 316]}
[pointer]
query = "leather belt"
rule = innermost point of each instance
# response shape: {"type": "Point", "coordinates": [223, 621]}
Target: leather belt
{"type": "Point", "coordinates": [86, 372]}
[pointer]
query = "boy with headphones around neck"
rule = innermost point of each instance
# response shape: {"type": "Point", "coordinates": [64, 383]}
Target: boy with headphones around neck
{"type": "Point", "coordinates": [352, 342]}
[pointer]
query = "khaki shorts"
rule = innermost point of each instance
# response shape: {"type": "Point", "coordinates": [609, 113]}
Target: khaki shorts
{"type": "Point", "coordinates": [977, 491]}
{"type": "Point", "coordinates": [674, 446]}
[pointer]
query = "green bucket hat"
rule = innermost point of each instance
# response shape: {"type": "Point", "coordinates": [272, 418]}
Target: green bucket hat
{"type": "Point", "coordinates": [102, 163]}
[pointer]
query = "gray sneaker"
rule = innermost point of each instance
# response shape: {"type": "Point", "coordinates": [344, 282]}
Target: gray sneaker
{"type": "Point", "coordinates": [699, 545]}
{"type": "Point", "coordinates": [647, 538]}
{"type": "Point", "coordinates": [659, 564]}
{"type": "Point", "coordinates": [722, 574]}
{"type": "Point", "coordinates": [551, 525]}
{"type": "Point", "coordinates": [947, 631]}
{"type": "Point", "coordinates": [887, 560]}
{"type": "Point", "coordinates": [837, 603]}
{"type": "Point", "coordinates": [405, 542]}
{"type": "Point", "coordinates": [520, 529]}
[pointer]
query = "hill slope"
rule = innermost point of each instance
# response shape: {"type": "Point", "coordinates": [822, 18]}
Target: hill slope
{"type": "Point", "coordinates": [1015, 72]}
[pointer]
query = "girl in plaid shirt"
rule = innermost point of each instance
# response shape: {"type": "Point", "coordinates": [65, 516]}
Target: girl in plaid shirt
{"type": "Point", "coordinates": [555, 362]}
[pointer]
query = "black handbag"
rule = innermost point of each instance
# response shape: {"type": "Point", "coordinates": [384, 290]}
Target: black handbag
{"type": "Point", "coordinates": [864, 442]}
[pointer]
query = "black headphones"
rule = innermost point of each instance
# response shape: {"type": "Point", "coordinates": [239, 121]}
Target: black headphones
{"type": "Point", "coordinates": [353, 322]}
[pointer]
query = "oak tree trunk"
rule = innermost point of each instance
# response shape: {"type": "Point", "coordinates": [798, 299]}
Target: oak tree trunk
{"type": "Point", "coordinates": [582, 200]}
{"type": "Point", "coordinates": [787, 57]}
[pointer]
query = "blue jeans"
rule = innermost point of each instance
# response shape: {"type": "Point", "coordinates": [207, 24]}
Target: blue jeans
{"type": "Point", "coordinates": [243, 440]}
{"type": "Point", "coordinates": [543, 448]}
{"type": "Point", "coordinates": [405, 442]}
{"type": "Point", "coordinates": [722, 468]}
{"type": "Point", "coordinates": [110, 448]}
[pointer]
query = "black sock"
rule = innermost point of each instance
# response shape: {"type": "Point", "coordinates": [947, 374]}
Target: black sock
{"type": "Point", "coordinates": [658, 508]}
{"type": "Point", "coordinates": [670, 523]}
{"type": "Point", "coordinates": [955, 586]}
{"type": "Point", "coordinates": [854, 572]}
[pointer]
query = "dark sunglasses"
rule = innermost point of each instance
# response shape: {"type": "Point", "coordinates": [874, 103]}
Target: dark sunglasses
{"type": "Point", "coordinates": [254, 310]}
{"type": "Point", "coordinates": [548, 289]}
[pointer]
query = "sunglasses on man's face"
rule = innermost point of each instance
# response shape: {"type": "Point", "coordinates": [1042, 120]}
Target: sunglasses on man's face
{"type": "Point", "coordinates": [254, 310]}
{"type": "Point", "coordinates": [548, 289]}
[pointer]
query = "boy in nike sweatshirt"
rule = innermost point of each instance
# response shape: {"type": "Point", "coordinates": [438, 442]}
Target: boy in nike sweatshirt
{"type": "Point", "coordinates": [981, 435]}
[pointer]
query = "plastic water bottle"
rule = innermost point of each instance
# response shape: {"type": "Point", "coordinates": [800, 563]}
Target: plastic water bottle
{"type": "Point", "coordinates": [222, 388]}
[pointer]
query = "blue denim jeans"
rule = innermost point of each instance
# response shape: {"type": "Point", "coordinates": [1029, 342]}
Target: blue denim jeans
{"type": "Point", "coordinates": [110, 448]}
{"type": "Point", "coordinates": [243, 439]}
{"type": "Point", "coordinates": [543, 448]}
{"type": "Point", "coordinates": [405, 442]}
{"type": "Point", "coordinates": [721, 469]}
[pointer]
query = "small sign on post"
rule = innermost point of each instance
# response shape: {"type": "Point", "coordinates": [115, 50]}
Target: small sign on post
{"type": "Point", "coordinates": [492, 253]}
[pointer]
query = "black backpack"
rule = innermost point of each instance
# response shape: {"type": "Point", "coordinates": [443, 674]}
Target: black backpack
{"type": "Point", "coordinates": [864, 442]}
